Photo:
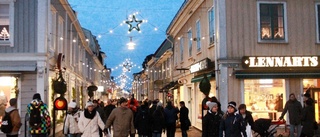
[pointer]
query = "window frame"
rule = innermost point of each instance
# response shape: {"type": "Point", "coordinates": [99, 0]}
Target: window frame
{"type": "Point", "coordinates": [11, 23]}
{"type": "Point", "coordinates": [190, 42]}
{"type": "Point", "coordinates": [181, 44]}
{"type": "Point", "coordinates": [198, 35]}
{"type": "Point", "coordinates": [285, 29]}
{"type": "Point", "coordinates": [317, 22]}
{"type": "Point", "coordinates": [212, 9]}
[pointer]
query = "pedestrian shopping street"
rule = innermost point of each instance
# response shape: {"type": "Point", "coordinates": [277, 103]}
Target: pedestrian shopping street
{"type": "Point", "coordinates": [188, 63]}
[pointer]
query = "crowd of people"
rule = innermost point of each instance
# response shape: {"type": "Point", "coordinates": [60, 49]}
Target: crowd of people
{"type": "Point", "coordinates": [150, 118]}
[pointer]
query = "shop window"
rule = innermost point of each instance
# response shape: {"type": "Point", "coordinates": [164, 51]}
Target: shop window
{"type": "Point", "coordinates": [6, 23]}
{"type": "Point", "coordinates": [8, 90]}
{"type": "Point", "coordinates": [211, 25]}
{"type": "Point", "coordinates": [271, 21]}
{"type": "Point", "coordinates": [265, 97]}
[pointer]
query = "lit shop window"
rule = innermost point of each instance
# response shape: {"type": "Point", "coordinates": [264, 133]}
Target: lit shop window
{"type": "Point", "coordinates": [272, 21]}
{"type": "Point", "coordinates": [8, 90]}
{"type": "Point", "coordinates": [4, 22]}
{"type": "Point", "coordinates": [265, 97]}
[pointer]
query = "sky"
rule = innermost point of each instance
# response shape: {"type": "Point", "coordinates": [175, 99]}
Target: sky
{"type": "Point", "coordinates": [105, 19]}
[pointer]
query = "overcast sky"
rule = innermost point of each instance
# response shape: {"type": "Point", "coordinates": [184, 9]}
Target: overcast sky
{"type": "Point", "coordinates": [103, 16]}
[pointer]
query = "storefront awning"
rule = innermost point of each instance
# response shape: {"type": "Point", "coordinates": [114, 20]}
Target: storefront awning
{"type": "Point", "coordinates": [200, 77]}
{"type": "Point", "coordinates": [243, 74]}
{"type": "Point", "coordinates": [18, 66]}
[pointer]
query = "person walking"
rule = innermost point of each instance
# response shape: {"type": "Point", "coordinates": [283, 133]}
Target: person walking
{"type": "Point", "coordinates": [232, 124]}
{"type": "Point", "coordinates": [108, 109]}
{"type": "Point", "coordinates": [247, 117]}
{"type": "Point", "coordinates": [308, 119]}
{"type": "Point", "coordinates": [170, 113]}
{"type": "Point", "coordinates": [211, 121]}
{"type": "Point", "coordinates": [71, 122]}
{"type": "Point", "coordinates": [40, 121]}
{"type": "Point", "coordinates": [294, 107]}
{"type": "Point", "coordinates": [102, 115]}
{"type": "Point", "coordinates": [142, 120]}
{"type": "Point", "coordinates": [15, 118]}
{"type": "Point", "coordinates": [90, 121]}
{"type": "Point", "coordinates": [121, 118]}
{"type": "Point", "coordinates": [158, 121]}
{"type": "Point", "coordinates": [184, 119]}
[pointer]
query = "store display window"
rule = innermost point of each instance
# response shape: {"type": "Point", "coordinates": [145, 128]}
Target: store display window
{"type": "Point", "coordinates": [265, 98]}
{"type": "Point", "coordinates": [313, 87]}
{"type": "Point", "coordinates": [8, 90]}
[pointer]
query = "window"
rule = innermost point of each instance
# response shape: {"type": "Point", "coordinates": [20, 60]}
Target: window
{"type": "Point", "coordinates": [6, 23]}
{"type": "Point", "coordinates": [181, 49]}
{"type": "Point", "coordinates": [190, 42]}
{"type": "Point", "coordinates": [211, 25]}
{"type": "Point", "coordinates": [265, 98]}
{"type": "Point", "coordinates": [272, 21]}
{"type": "Point", "coordinates": [198, 35]}
{"type": "Point", "coordinates": [318, 21]}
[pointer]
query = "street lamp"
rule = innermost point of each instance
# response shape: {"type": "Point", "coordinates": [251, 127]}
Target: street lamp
{"type": "Point", "coordinates": [131, 44]}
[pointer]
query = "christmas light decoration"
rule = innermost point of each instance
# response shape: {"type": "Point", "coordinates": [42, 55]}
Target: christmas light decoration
{"type": "Point", "coordinates": [130, 21]}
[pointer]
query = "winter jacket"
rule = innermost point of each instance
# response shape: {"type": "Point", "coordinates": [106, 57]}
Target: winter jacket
{"type": "Point", "coordinates": [44, 128]}
{"type": "Point", "coordinates": [308, 119]}
{"type": "Point", "coordinates": [158, 121]}
{"type": "Point", "coordinates": [170, 114]}
{"type": "Point", "coordinates": [15, 119]}
{"type": "Point", "coordinates": [184, 118]}
{"type": "Point", "coordinates": [248, 119]}
{"type": "Point", "coordinates": [295, 111]}
{"type": "Point", "coordinates": [122, 120]}
{"type": "Point", "coordinates": [210, 124]}
{"type": "Point", "coordinates": [142, 121]}
{"type": "Point", "coordinates": [90, 127]}
{"type": "Point", "coordinates": [232, 125]}
{"type": "Point", "coordinates": [108, 109]}
{"type": "Point", "coordinates": [71, 123]}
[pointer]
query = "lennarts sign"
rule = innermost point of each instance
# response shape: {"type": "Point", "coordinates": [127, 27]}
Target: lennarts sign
{"type": "Point", "coordinates": [292, 61]}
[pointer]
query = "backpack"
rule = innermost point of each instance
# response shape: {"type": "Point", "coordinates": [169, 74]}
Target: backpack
{"type": "Point", "coordinates": [6, 126]}
{"type": "Point", "coordinates": [35, 116]}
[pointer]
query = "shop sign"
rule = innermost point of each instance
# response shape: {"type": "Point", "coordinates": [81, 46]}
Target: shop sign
{"type": "Point", "coordinates": [279, 62]}
{"type": "Point", "coordinates": [202, 65]}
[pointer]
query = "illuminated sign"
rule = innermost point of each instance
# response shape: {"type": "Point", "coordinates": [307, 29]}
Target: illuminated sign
{"type": "Point", "coordinates": [202, 65]}
{"type": "Point", "coordinates": [280, 62]}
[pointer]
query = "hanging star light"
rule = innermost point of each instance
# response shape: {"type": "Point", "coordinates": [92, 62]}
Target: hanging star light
{"type": "Point", "coordinates": [137, 22]}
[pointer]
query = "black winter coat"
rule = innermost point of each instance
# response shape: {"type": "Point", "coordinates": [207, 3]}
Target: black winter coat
{"type": "Point", "coordinates": [158, 121]}
{"type": "Point", "coordinates": [295, 111]}
{"type": "Point", "coordinates": [210, 124]}
{"type": "Point", "coordinates": [248, 119]}
{"type": "Point", "coordinates": [184, 112]}
{"type": "Point", "coordinates": [232, 126]}
{"type": "Point", "coordinates": [142, 121]}
{"type": "Point", "coordinates": [308, 119]}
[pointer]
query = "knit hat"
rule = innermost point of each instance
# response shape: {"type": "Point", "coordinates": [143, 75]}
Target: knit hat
{"type": "Point", "coordinates": [89, 103]}
{"type": "Point", "coordinates": [307, 95]}
{"type": "Point", "coordinates": [212, 104]}
{"type": "Point", "coordinates": [36, 96]}
{"type": "Point", "coordinates": [72, 105]}
{"type": "Point", "coordinates": [232, 104]}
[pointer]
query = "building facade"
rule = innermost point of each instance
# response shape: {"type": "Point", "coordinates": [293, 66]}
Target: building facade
{"type": "Point", "coordinates": [38, 39]}
{"type": "Point", "coordinates": [192, 30]}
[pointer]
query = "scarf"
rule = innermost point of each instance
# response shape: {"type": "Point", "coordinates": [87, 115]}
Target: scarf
{"type": "Point", "coordinates": [89, 115]}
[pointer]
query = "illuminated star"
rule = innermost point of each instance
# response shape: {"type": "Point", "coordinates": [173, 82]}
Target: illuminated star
{"type": "Point", "coordinates": [136, 27]}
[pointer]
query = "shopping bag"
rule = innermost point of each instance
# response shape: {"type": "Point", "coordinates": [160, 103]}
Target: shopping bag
{"type": "Point", "coordinates": [249, 131]}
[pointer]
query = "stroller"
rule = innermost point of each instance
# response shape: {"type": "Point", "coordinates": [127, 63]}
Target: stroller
{"type": "Point", "coordinates": [265, 127]}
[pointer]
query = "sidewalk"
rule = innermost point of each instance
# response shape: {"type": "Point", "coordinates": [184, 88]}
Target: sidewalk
{"type": "Point", "coordinates": [193, 132]}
